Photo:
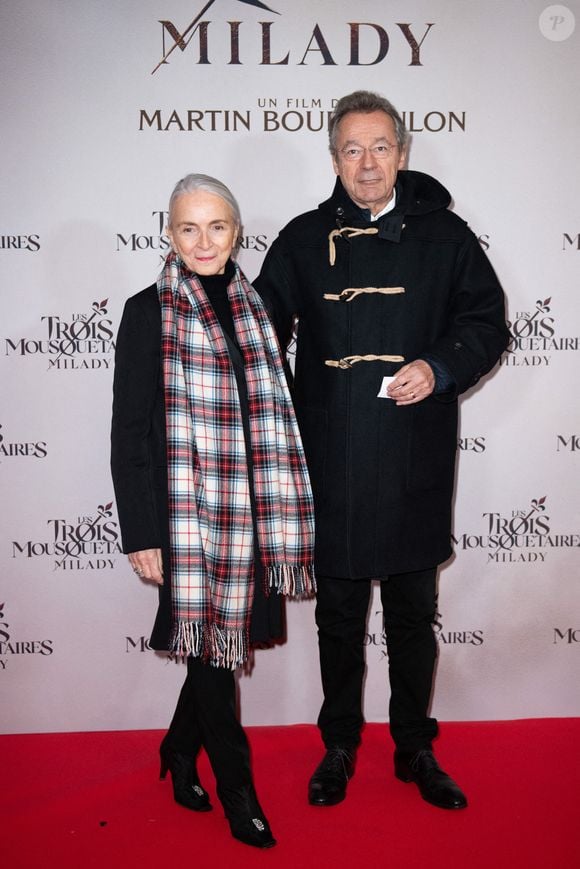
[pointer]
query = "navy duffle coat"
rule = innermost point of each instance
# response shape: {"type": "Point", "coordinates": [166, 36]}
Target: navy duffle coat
{"type": "Point", "coordinates": [382, 475]}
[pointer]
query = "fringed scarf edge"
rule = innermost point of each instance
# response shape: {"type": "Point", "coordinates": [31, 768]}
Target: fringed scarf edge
{"type": "Point", "coordinates": [292, 580]}
{"type": "Point", "coordinates": [219, 647]}
{"type": "Point", "coordinates": [226, 647]}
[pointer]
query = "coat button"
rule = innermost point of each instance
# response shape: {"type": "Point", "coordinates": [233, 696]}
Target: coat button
{"type": "Point", "coordinates": [458, 345]}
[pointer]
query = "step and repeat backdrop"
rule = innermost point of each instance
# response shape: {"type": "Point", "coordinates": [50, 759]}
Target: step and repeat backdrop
{"type": "Point", "coordinates": [104, 107]}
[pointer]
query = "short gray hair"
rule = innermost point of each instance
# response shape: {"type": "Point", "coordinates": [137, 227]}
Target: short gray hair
{"type": "Point", "coordinates": [364, 102]}
{"type": "Point", "coordinates": [194, 182]}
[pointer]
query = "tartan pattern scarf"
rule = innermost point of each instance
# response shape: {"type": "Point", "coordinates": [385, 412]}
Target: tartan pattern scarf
{"type": "Point", "coordinates": [210, 514]}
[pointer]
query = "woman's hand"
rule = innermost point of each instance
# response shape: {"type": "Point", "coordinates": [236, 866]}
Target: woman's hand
{"type": "Point", "coordinates": [148, 564]}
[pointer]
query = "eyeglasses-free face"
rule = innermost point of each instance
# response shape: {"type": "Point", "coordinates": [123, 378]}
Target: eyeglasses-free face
{"type": "Point", "coordinates": [368, 158]}
{"type": "Point", "coordinates": [203, 232]}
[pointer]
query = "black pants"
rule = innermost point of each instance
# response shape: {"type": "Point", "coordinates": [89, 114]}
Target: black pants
{"type": "Point", "coordinates": [206, 716]}
{"type": "Point", "coordinates": [409, 603]}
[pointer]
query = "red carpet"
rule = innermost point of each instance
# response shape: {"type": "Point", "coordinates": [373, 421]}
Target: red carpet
{"type": "Point", "coordinates": [94, 800]}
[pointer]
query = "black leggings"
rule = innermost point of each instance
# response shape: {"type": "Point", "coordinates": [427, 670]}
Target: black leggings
{"type": "Point", "coordinates": [206, 717]}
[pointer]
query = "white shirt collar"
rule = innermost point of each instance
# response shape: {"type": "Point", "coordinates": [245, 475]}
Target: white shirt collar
{"type": "Point", "coordinates": [388, 207]}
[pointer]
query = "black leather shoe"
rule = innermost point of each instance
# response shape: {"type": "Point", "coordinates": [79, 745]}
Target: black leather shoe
{"type": "Point", "coordinates": [187, 790]}
{"type": "Point", "coordinates": [327, 787]}
{"type": "Point", "coordinates": [435, 786]}
{"type": "Point", "coordinates": [246, 818]}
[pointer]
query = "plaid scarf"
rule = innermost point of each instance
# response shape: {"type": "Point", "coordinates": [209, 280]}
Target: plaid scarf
{"type": "Point", "coordinates": [210, 514]}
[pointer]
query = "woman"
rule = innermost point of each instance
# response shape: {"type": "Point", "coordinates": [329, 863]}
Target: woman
{"type": "Point", "coordinates": [211, 485]}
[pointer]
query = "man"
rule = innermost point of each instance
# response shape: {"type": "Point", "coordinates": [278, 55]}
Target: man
{"type": "Point", "coordinates": [399, 312]}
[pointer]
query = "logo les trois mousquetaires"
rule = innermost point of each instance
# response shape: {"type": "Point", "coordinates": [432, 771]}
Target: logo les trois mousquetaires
{"type": "Point", "coordinates": [84, 543]}
{"type": "Point", "coordinates": [213, 37]}
{"type": "Point", "coordinates": [535, 337]}
{"type": "Point", "coordinates": [376, 636]}
{"type": "Point", "coordinates": [523, 535]}
{"type": "Point", "coordinates": [15, 449]}
{"type": "Point", "coordinates": [10, 646]}
{"type": "Point", "coordinates": [81, 341]}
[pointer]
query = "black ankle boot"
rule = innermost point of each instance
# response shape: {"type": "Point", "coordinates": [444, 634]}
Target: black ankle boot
{"type": "Point", "coordinates": [187, 790]}
{"type": "Point", "coordinates": [246, 818]}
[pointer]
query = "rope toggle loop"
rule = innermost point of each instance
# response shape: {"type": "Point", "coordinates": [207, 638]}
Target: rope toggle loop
{"type": "Point", "coordinates": [351, 293]}
{"type": "Point", "coordinates": [349, 361]}
{"type": "Point", "coordinates": [350, 232]}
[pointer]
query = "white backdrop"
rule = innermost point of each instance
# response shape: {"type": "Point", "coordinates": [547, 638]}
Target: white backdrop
{"type": "Point", "coordinates": [93, 142]}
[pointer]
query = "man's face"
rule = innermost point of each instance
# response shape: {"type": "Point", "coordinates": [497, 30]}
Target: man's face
{"type": "Point", "coordinates": [368, 158]}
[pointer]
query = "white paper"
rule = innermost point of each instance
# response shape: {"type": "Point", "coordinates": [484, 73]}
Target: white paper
{"type": "Point", "coordinates": [384, 385]}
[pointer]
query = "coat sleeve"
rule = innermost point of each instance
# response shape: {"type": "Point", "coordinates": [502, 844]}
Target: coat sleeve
{"type": "Point", "coordinates": [277, 285]}
{"type": "Point", "coordinates": [476, 334]}
{"type": "Point", "coordinates": [135, 386]}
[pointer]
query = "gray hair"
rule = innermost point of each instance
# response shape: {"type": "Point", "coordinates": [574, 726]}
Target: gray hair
{"type": "Point", "coordinates": [194, 182]}
{"type": "Point", "coordinates": [364, 102]}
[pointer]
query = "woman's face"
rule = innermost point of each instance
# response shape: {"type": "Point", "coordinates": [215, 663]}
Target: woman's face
{"type": "Point", "coordinates": [202, 232]}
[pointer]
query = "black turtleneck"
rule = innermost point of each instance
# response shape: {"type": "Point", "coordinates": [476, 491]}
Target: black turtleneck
{"type": "Point", "coordinates": [216, 289]}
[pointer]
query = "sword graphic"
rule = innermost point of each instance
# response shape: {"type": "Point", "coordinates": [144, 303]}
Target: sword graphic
{"type": "Point", "coordinates": [181, 38]}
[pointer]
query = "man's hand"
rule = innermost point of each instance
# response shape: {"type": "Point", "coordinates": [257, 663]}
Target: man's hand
{"type": "Point", "coordinates": [413, 383]}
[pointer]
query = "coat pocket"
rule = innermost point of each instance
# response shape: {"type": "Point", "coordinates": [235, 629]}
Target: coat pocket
{"type": "Point", "coordinates": [432, 446]}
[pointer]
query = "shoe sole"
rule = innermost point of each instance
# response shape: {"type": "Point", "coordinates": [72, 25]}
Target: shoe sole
{"type": "Point", "coordinates": [409, 780]}
{"type": "Point", "coordinates": [262, 845]}
{"type": "Point", "coordinates": [325, 802]}
{"type": "Point", "coordinates": [207, 808]}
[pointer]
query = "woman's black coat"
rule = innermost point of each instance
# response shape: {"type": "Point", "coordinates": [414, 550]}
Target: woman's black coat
{"type": "Point", "coordinates": [139, 457]}
{"type": "Point", "coordinates": [383, 475]}
{"type": "Point", "coordinates": [138, 442]}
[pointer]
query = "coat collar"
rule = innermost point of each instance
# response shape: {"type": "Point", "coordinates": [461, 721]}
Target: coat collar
{"type": "Point", "coordinates": [417, 194]}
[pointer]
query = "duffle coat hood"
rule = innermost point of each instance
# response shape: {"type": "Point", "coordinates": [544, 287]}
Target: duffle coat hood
{"type": "Point", "coordinates": [382, 475]}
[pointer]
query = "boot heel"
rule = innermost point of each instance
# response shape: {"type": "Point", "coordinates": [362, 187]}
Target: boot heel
{"type": "Point", "coordinates": [187, 790]}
